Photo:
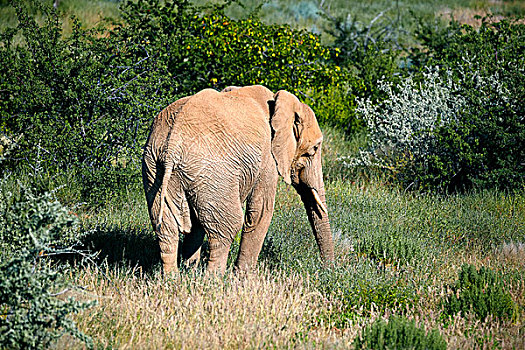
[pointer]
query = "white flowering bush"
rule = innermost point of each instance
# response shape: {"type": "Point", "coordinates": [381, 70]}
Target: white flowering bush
{"type": "Point", "coordinates": [402, 126]}
{"type": "Point", "coordinates": [484, 147]}
{"type": "Point", "coordinates": [434, 133]}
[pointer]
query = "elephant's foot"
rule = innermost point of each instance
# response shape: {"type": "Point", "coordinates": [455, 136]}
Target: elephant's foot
{"type": "Point", "coordinates": [169, 263]}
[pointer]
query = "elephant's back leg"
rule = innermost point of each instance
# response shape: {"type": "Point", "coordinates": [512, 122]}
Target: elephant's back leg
{"type": "Point", "coordinates": [190, 249]}
{"type": "Point", "coordinates": [176, 214]}
{"type": "Point", "coordinates": [221, 217]}
{"type": "Point", "coordinates": [259, 212]}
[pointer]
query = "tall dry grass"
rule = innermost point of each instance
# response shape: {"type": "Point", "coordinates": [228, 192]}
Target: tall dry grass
{"type": "Point", "coordinates": [263, 309]}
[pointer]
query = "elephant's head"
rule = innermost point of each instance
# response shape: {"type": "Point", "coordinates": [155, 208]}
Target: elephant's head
{"type": "Point", "coordinates": [296, 148]}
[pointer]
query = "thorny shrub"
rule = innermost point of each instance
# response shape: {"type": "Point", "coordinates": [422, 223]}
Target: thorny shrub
{"type": "Point", "coordinates": [32, 311]}
{"type": "Point", "coordinates": [481, 292]}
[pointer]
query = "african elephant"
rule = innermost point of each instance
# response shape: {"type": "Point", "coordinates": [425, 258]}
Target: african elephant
{"type": "Point", "coordinates": [209, 153]}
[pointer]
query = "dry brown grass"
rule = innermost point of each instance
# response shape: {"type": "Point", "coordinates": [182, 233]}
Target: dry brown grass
{"type": "Point", "coordinates": [467, 15]}
{"type": "Point", "coordinates": [258, 310]}
{"type": "Point", "coordinates": [263, 309]}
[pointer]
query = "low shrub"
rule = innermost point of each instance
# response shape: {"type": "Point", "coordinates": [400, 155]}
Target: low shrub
{"type": "Point", "coordinates": [481, 292]}
{"type": "Point", "coordinates": [398, 333]}
{"type": "Point", "coordinates": [391, 248]}
{"type": "Point", "coordinates": [32, 311]}
{"type": "Point", "coordinates": [360, 289]}
{"type": "Point", "coordinates": [368, 296]}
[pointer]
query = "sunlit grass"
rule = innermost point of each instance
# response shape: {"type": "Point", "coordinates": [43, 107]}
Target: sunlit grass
{"type": "Point", "coordinates": [396, 253]}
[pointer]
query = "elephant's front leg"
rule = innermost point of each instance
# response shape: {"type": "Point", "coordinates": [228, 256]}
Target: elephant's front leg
{"type": "Point", "coordinates": [259, 212]}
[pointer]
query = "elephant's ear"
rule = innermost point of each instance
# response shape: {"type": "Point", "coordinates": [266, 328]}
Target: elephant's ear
{"type": "Point", "coordinates": [285, 123]}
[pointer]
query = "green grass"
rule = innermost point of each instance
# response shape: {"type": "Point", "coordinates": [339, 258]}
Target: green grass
{"type": "Point", "coordinates": [396, 253]}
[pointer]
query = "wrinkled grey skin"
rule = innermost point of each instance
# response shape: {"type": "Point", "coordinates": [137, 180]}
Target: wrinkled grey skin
{"type": "Point", "coordinates": [209, 153]}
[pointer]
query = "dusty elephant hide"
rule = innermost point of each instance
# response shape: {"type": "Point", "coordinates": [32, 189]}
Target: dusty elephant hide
{"type": "Point", "coordinates": [209, 153]}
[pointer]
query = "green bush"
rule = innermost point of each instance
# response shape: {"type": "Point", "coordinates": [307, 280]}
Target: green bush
{"type": "Point", "coordinates": [437, 133]}
{"type": "Point", "coordinates": [484, 147]}
{"type": "Point", "coordinates": [30, 219]}
{"type": "Point", "coordinates": [83, 103]}
{"type": "Point", "coordinates": [335, 104]}
{"type": "Point", "coordinates": [461, 124]}
{"type": "Point", "coordinates": [32, 313]}
{"type": "Point", "coordinates": [369, 296]}
{"type": "Point", "coordinates": [71, 102]}
{"type": "Point", "coordinates": [398, 333]}
{"type": "Point", "coordinates": [391, 248]}
{"type": "Point", "coordinates": [363, 289]}
{"type": "Point", "coordinates": [367, 53]}
{"type": "Point", "coordinates": [481, 292]}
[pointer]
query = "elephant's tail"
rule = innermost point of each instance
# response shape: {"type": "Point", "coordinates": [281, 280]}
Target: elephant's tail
{"type": "Point", "coordinates": [164, 188]}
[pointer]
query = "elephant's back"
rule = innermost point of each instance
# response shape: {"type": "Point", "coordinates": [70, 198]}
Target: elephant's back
{"type": "Point", "coordinates": [224, 139]}
{"type": "Point", "coordinates": [161, 128]}
{"type": "Point", "coordinates": [224, 122]}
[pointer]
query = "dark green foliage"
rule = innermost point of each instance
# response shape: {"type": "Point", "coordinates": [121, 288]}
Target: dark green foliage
{"type": "Point", "coordinates": [481, 292]}
{"type": "Point", "coordinates": [73, 104]}
{"type": "Point", "coordinates": [30, 219]}
{"type": "Point", "coordinates": [398, 333]}
{"type": "Point", "coordinates": [32, 311]}
{"type": "Point", "coordinates": [335, 104]}
{"type": "Point", "coordinates": [84, 103]}
{"type": "Point", "coordinates": [485, 146]}
{"type": "Point", "coordinates": [378, 294]}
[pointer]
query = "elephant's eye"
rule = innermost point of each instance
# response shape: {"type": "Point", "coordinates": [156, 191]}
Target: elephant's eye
{"type": "Point", "coordinates": [312, 151]}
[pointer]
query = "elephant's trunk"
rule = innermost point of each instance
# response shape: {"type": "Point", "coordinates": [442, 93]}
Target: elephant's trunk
{"type": "Point", "coordinates": [315, 205]}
